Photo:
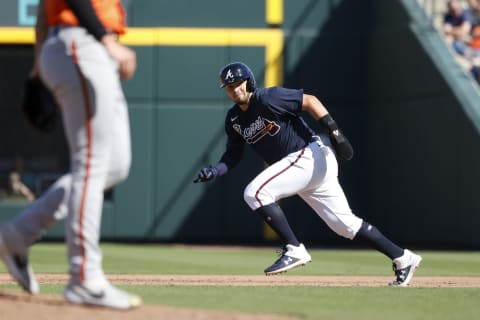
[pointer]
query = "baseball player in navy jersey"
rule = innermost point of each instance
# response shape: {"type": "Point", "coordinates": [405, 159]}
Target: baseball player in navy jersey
{"type": "Point", "coordinates": [79, 59]}
{"type": "Point", "coordinates": [300, 163]}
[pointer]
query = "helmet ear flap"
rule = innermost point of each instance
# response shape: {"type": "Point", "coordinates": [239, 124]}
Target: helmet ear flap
{"type": "Point", "coordinates": [251, 84]}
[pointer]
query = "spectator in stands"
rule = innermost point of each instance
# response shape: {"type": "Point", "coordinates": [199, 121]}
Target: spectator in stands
{"type": "Point", "coordinates": [457, 26]}
{"type": "Point", "coordinates": [19, 188]}
{"type": "Point", "coordinates": [475, 71]}
{"type": "Point", "coordinates": [474, 50]}
{"type": "Point", "coordinates": [474, 10]}
{"type": "Point", "coordinates": [19, 182]}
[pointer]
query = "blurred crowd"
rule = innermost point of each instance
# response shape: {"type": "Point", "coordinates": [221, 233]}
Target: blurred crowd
{"type": "Point", "coordinates": [461, 28]}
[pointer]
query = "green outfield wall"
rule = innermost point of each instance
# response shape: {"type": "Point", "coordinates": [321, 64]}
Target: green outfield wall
{"type": "Point", "coordinates": [379, 66]}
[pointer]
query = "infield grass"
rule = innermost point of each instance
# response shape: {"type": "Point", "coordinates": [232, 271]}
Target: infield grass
{"type": "Point", "coordinates": [359, 303]}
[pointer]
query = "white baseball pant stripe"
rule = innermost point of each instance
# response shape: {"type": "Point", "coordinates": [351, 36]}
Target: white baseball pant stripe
{"type": "Point", "coordinates": [310, 173]}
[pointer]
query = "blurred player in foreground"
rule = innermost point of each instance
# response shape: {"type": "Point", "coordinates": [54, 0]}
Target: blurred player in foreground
{"type": "Point", "coordinates": [79, 59]}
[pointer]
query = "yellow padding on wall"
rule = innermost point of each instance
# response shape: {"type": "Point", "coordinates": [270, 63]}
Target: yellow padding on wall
{"type": "Point", "coordinates": [274, 12]}
{"type": "Point", "coordinates": [271, 39]}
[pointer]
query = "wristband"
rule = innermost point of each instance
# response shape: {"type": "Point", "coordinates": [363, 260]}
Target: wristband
{"type": "Point", "coordinates": [328, 122]}
{"type": "Point", "coordinates": [221, 168]}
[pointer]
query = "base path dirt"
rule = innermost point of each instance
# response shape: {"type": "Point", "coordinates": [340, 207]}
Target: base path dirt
{"type": "Point", "coordinates": [262, 280]}
{"type": "Point", "coordinates": [20, 306]}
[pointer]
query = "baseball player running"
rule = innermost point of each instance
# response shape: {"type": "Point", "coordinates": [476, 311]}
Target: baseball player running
{"type": "Point", "coordinates": [81, 62]}
{"type": "Point", "coordinates": [300, 162]}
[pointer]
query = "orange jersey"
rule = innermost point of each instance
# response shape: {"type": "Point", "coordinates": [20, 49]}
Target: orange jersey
{"type": "Point", "coordinates": [110, 13]}
{"type": "Point", "coordinates": [476, 38]}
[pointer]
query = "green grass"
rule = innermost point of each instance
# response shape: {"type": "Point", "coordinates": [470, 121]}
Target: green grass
{"type": "Point", "coordinates": [164, 259]}
{"type": "Point", "coordinates": [360, 303]}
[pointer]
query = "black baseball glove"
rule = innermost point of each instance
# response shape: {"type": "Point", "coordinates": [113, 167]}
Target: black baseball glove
{"type": "Point", "coordinates": [39, 105]}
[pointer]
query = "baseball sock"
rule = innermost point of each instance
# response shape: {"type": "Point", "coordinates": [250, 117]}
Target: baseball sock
{"type": "Point", "coordinates": [273, 215]}
{"type": "Point", "coordinates": [378, 241]}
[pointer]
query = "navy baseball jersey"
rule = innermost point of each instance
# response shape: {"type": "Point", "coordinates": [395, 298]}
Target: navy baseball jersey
{"type": "Point", "coordinates": [299, 163]}
{"type": "Point", "coordinates": [272, 125]}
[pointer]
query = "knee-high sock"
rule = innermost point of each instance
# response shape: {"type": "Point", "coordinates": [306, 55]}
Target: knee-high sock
{"type": "Point", "coordinates": [274, 216]}
{"type": "Point", "coordinates": [378, 241]}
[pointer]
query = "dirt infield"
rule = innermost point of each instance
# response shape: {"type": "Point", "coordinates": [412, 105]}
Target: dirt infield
{"type": "Point", "coordinates": [19, 306]}
{"type": "Point", "coordinates": [262, 280]}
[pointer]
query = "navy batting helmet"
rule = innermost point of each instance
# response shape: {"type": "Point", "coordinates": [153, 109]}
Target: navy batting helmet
{"type": "Point", "coordinates": [237, 71]}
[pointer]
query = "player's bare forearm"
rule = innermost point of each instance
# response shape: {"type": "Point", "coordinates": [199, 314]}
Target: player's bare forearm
{"type": "Point", "coordinates": [317, 110]}
{"type": "Point", "coordinates": [314, 106]}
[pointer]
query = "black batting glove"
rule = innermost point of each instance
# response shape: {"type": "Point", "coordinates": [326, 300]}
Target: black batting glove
{"type": "Point", "coordinates": [206, 174]}
{"type": "Point", "coordinates": [340, 143]}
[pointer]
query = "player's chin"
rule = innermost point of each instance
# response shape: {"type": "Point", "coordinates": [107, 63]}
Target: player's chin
{"type": "Point", "coordinates": [239, 100]}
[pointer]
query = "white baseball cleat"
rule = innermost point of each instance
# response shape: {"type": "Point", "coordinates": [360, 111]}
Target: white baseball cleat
{"type": "Point", "coordinates": [14, 254]}
{"type": "Point", "coordinates": [404, 268]}
{"type": "Point", "coordinates": [101, 294]}
{"type": "Point", "coordinates": [291, 257]}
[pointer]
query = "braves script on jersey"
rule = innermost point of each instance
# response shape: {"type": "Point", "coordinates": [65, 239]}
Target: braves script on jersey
{"type": "Point", "coordinates": [272, 125]}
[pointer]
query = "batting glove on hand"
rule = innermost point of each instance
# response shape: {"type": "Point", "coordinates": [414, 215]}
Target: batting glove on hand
{"type": "Point", "coordinates": [340, 143]}
{"type": "Point", "coordinates": [206, 174]}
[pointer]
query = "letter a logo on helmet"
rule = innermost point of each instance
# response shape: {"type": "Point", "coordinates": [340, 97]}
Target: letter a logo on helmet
{"type": "Point", "coordinates": [237, 71]}
{"type": "Point", "coordinates": [229, 75]}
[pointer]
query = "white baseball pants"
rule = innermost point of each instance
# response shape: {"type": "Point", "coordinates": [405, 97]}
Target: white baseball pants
{"type": "Point", "coordinates": [312, 174]}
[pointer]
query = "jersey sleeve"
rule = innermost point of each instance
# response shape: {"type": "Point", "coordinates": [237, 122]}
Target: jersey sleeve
{"type": "Point", "coordinates": [234, 148]}
{"type": "Point", "coordinates": [87, 17]}
{"type": "Point", "coordinates": [283, 100]}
